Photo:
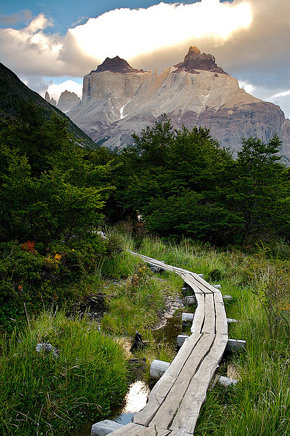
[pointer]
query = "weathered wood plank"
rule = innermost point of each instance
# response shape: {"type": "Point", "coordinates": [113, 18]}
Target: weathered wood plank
{"type": "Point", "coordinates": [187, 318]}
{"type": "Point", "coordinates": [198, 315]}
{"type": "Point", "coordinates": [175, 401]}
{"type": "Point", "coordinates": [104, 427]}
{"type": "Point", "coordinates": [181, 339]}
{"type": "Point", "coordinates": [163, 386]}
{"type": "Point", "coordinates": [221, 317]}
{"type": "Point", "coordinates": [158, 368]}
{"type": "Point", "coordinates": [190, 278]}
{"type": "Point", "coordinates": [179, 433]}
{"type": "Point", "coordinates": [139, 430]}
{"type": "Point", "coordinates": [204, 284]}
{"type": "Point", "coordinates": [168, 408]}
{"type": "Point", "coordinates": [188, 412]}
{"type": "Point", "coordinates": [209, 314]}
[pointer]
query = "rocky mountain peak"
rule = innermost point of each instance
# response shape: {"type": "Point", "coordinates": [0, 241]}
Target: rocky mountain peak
{"type": "Point", "coordinates": [116, 65]}
{"type": "Point", "coordinates": [68, 100]}
{"type": "Point", "coordinates": [49, 100]}
{"type": "Point", "coordinates": [192, 51]}
{"type": "Point", "coordinates": [195, 60]}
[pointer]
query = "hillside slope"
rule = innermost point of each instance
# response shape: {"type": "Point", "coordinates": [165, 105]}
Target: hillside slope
{"type": "Point", "coordinates": [13, 91]}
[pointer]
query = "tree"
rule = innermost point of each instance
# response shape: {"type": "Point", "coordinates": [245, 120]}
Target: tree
{"type": "Point", "coordinates": [259, 189]}
{"type": "Point", "coordinates": [49, 193]}
{"type": "Point", "coordinates": [177, 180]}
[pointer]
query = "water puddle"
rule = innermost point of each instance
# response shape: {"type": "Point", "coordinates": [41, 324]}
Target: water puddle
{"type": "Point", "coordinates": [136, 399]}
{"type": "Point", "coordinates": [169, 332]}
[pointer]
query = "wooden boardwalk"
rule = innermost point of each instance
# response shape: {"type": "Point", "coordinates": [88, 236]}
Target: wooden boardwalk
{"type": "Point", "coordinates": [174, 403]}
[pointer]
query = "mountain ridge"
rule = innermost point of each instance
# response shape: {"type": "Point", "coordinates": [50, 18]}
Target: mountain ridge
{"type": "Point", "coordinates": [193, 92]}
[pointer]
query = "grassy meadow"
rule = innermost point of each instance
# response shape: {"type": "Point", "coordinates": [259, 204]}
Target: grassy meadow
{"type": "Point", "coordinates": [44, 394]}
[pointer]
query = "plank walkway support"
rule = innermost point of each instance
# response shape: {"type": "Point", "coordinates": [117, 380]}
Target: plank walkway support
{"type": "Point", "coordinates": [174, 403]}
{"type": "Point", "coordinates": [158, 368]}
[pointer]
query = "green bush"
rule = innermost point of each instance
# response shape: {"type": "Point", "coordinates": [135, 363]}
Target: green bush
{"type": "Point", "coordinates": [43, 394]}
{"type": "Point", "coordinates": [51, 275]}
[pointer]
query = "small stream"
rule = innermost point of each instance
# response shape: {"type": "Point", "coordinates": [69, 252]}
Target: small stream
{"type": "Point", "coordinates": [137, 395]}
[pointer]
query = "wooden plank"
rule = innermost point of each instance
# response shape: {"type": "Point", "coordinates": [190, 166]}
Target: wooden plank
{"type": "Point", "coordinates": [138, 430]}
{"type": "Point", "coordinates": [158, 368]}
{"type": "Point", "coordinates": [188, 412]}
{"type": "Point", "coordinates": [176, 399]}
{"type": "Point", "coordinates": [209, 314]}
{"type": "Point", "coordinates": [221, 317]}
{"type": "Point", "coordinates": [179, 433]}
{"type": "Point", "coordinates": [194, 284]}
{"type": "Point", "coordinates": [181, 339]}
{"type": "Point", "coordinates": [168, 408]}
{"type": "Point", "coordinates": [155, 262]}
{"type": "Point", "coordinates": [105, 427]}
{"type": "Point", "coordinates": [198, 315]}
{"type": "Point", "coordinates": [164, 385]}
{"type": "Point", "coordinates": [204, 284]}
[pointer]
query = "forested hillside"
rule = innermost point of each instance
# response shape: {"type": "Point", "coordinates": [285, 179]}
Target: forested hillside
{"type": "Point", "coordinates": [14, 98]}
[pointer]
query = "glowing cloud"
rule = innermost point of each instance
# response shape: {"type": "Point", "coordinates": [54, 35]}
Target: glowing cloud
{"type": "Point", "coordinates": [248, 87]}
{"type": "Point", "coordinates": [30, 47]}
{"type": "Point", "coordinates": [131, 32]}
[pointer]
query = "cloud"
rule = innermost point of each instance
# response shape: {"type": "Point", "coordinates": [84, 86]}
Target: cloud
{"type": "Point", "coordinates": [24, 16]}
{"type": "Point", "coordinates": [281, 94]}
{"type": "Point", "coordinates": [30, 50]}
{"type": "Point", "coordinates": [248, 87]}
{"type": "Point", "coordinates": [36, 83]}
{"type": "Point", "coordinates": [260, 55]}
{"type": "Point", "coordinates": [282, 99]}
{"type": "Point", "coordinates": [130, 33]}
{"type": "Point", "coordinates": [249, 38]}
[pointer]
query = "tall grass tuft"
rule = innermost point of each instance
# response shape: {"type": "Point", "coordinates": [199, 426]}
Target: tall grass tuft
{"type": "Point", "coordinates": [42, 393]}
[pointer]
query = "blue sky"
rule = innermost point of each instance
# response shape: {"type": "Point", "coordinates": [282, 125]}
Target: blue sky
{"type": "Point", "coordinates": [53, 44]}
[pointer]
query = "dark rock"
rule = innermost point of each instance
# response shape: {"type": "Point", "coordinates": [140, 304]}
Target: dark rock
{"type": "Point", "coordinates": [116, 65]}
{"type": "Point", "coordinates": [156, 269]}
{"type": "Point", "coordinates": [138, 343]}
{"type": "Point", "coordinates": [195, 60]}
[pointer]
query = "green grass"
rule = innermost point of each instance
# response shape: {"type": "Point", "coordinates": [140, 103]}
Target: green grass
{"type": "Point", "coordinates": [136, 306]}
{"type": "Point", "coordinates": [41, 394]}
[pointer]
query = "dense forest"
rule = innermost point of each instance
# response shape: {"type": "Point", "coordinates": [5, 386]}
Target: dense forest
{"type": "Point", "coordinates": [57, 195]}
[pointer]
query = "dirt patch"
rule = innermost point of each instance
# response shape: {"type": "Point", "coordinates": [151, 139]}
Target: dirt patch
{"type": "Point", "coordinates": [232, 372]}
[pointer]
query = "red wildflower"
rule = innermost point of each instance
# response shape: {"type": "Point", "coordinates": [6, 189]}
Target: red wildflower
{"type": "Point", "coordinates": [29, 246]}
